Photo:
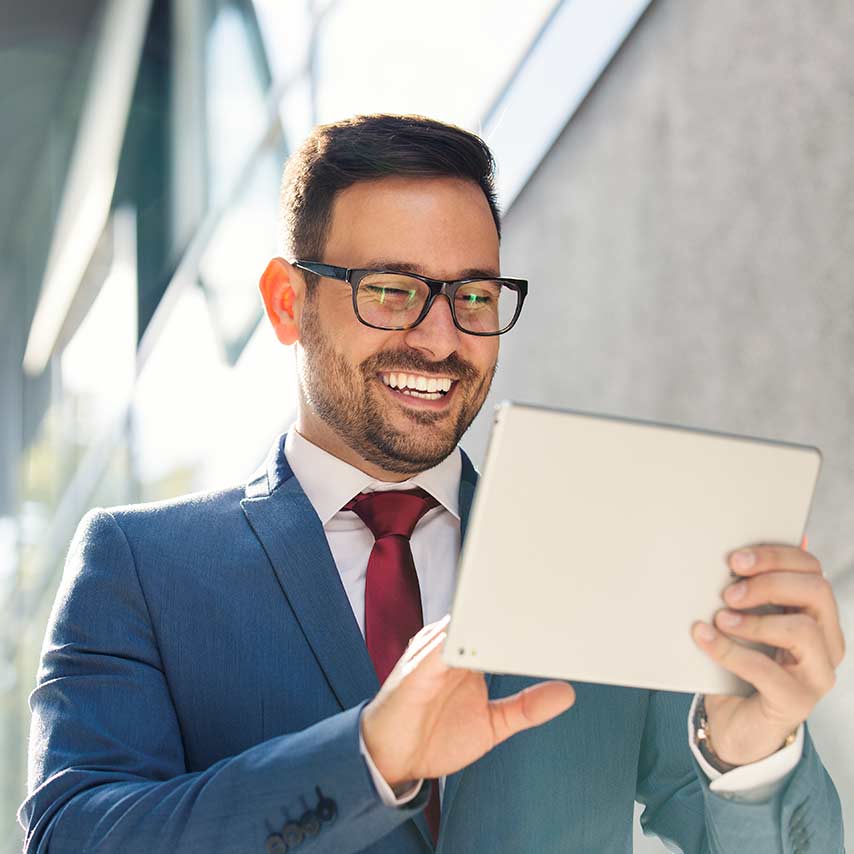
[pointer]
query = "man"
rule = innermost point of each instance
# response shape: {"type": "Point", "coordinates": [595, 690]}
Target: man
{"type": "Point", "coordinates": [212, 668]}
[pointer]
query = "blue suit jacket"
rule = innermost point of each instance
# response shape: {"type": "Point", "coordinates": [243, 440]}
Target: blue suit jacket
{"type": "Point", "coordinates": [201, 685]}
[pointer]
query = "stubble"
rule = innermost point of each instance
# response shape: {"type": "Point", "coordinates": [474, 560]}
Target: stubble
{"type": "Point", "coordinates": [344, 397]}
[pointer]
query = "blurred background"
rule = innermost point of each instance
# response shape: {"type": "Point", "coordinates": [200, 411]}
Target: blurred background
{"type": "Point", "coordinates": [678, 187]}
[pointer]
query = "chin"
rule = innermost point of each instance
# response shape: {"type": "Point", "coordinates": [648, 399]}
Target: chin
{"type": "Point", "coordinates": [401, 454]}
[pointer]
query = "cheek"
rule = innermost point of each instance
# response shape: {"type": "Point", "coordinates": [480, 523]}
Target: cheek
{"type": "Point", "coordinates": [333, 308]}
{"type": "Point", "coordinates": [351, 340]}
{"type": "Point", "coordinates": [484, 354]}
{"type": "Point", "coordinates": [363, 343]}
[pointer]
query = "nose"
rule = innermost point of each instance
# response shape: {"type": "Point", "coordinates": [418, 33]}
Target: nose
{"type": "Point", "coordinates": [436, 335]}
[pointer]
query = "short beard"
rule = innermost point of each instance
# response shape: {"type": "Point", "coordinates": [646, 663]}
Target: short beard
{"type": "Point", "coordinates": [331, 390]}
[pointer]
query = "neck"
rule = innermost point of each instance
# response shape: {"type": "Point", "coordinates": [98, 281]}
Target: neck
{"type": "Point", "coordinates": [319, 433]}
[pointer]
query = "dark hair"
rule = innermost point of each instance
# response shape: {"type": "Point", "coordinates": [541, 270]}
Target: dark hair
{"type": "Point", "coordinates": [364, 148]}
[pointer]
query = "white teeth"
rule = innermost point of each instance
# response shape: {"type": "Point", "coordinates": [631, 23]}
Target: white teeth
{"type": "Point", "coordinates": [411, 382]}
{"type": "Point", "coordinates": [426, 395]}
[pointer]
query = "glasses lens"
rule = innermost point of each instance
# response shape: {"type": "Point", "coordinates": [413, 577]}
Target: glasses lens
{"type": "Point", "coordinates": [391, 300]}
{"type": "Point", "coordinates": [485, 306]}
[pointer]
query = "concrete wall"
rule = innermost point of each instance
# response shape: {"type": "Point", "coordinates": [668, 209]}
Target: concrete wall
{"type": "Point", "coordinates": [690, 246]}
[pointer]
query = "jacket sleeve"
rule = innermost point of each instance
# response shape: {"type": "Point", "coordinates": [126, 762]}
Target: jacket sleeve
{"type": "Point", "coordinates": [106, 764]}
{"type": "Point", "coordinates": [805, 815]}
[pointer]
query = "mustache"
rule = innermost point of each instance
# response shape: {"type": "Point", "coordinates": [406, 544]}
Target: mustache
{"type": "Point", "coordinates": [409, 360]}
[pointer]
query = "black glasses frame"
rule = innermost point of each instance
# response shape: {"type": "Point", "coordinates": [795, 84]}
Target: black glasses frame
{"type": "Point", "coordinates": [353, 277]}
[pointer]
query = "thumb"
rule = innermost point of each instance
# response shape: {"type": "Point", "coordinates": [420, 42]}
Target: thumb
{"type": "Point", "coordinates": [529, 708]}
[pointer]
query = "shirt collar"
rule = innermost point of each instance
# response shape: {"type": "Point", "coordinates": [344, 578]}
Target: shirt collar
{"type": "Point", "coordinates": [329, 483]}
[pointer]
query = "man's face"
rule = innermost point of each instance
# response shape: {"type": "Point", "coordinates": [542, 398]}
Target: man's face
{"type": "Point", "coordinates": [438, 227]}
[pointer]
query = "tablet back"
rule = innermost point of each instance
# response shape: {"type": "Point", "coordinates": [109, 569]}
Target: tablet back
{"type": "Point", "coordinates": [595, 543]}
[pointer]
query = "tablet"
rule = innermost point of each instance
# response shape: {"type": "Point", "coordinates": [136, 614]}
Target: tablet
{"type": "Point", "coordinates": [594, 544]}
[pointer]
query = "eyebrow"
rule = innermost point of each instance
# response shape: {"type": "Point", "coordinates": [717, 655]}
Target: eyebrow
{"type": "Point", "coordinates": [406, 267]}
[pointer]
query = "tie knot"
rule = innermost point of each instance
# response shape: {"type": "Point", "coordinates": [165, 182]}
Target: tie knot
{"type": "Point", "coordinates": [394, 512]}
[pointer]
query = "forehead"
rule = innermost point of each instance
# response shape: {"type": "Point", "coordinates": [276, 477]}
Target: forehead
{"type": "Point", "coordinates": [439, 226]}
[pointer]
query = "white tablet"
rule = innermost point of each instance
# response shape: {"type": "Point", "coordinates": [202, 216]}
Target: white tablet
{"type": "Point", "coordinates": [594, 544]}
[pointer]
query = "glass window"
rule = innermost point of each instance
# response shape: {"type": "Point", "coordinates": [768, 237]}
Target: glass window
{"type": "Point", "coordinates": [445, 59]}
{"type": "Point", "coordinates": [286, 27]}
{"type": "Point", "coordinates": [236, 100]}
{"type": "Point", "coordinates": [239, 249]}
{"type": "Point", "coordinates": [178, 396]}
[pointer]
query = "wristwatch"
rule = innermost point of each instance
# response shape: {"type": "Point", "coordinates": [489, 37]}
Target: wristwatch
{"type": "Point", "coordinates": [704, 740]}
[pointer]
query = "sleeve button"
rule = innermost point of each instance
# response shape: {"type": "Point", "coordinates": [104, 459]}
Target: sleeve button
{"type": "Point", "coordinates": [293, 834]}
{"type": "Point", "coordinates": [326, 809]}
{"type": "Point", "coordinates": [310, 823]}
{"type": "Point", "coordinates": [275, 844]}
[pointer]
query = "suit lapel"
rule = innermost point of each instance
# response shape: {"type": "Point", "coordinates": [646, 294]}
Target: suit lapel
{"type": "Point", "coordinates": [468, 482]}
{"type": "Point", "coordinates": [284, 521]}
{"type": "Point", "coordinates": [291, 534]}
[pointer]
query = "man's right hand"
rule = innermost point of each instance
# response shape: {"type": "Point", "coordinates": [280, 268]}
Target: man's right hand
{"type": "Point", "coordinates": [429, 720]}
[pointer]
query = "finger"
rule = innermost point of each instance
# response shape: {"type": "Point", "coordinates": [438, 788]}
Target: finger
{"type": "Point", "coordinates": [798, 634]}
{"type": "Point", "coordinates": [811, 593]}
{"type": "Point", "coordinates": [780, 689]}
{"type": "Point", "coordinates": [429, 655]}
{"type": "Point", "coordinates": [757, 559]}
{"type": "Point", "coordinates": [530, 707]}
{"type": "Point", "coordinates": [425, 635]}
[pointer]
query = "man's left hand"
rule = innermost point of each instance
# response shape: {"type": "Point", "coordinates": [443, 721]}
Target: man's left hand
{"type": "Point", "coordinates": [809, 642]}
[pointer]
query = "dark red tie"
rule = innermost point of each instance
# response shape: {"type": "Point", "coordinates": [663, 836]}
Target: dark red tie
{"type": "Point", "coordinates": [392, 595]}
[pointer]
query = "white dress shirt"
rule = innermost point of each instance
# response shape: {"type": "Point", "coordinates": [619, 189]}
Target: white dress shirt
{"type": "Point", "coordinates": [329, 483]}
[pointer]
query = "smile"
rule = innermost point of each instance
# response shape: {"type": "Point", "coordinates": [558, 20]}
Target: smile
{"type": "Point", "coordinates": [417, 385]}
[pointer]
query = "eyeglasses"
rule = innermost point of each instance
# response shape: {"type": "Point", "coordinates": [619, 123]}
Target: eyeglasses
{"type": "Point", "coordinates": [388, 299]}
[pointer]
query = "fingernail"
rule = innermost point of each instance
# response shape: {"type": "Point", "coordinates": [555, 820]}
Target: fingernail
{"type": "Point", "coordinates": [743, 559]}
{"type": "Point", "coordinates": [735, 592]}
{"type": "Point", "coordinates": [705, 632]}
{"type": "Point", "coordinates": [729, 620]}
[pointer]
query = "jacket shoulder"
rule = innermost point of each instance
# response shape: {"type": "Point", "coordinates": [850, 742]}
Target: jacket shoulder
{"type": "Point", "coordinates": [209, 506]}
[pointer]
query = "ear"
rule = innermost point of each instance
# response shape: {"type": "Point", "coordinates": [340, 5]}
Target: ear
{"type": "Point", "coordinates": [282, 289]}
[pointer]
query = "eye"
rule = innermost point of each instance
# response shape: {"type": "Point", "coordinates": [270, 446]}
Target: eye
{"type": "Point", "coordinates": [389, 296]}
{"type": "Point", "coordinates": [475, 298]}
{"type": "Point", "coordinates": [383, 293]}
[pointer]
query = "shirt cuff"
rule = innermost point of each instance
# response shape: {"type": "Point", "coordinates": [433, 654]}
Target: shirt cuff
{"type": "Point", "coordinates": [386, 793]}
{"type": "Point", "coordinates": [756, 781]}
